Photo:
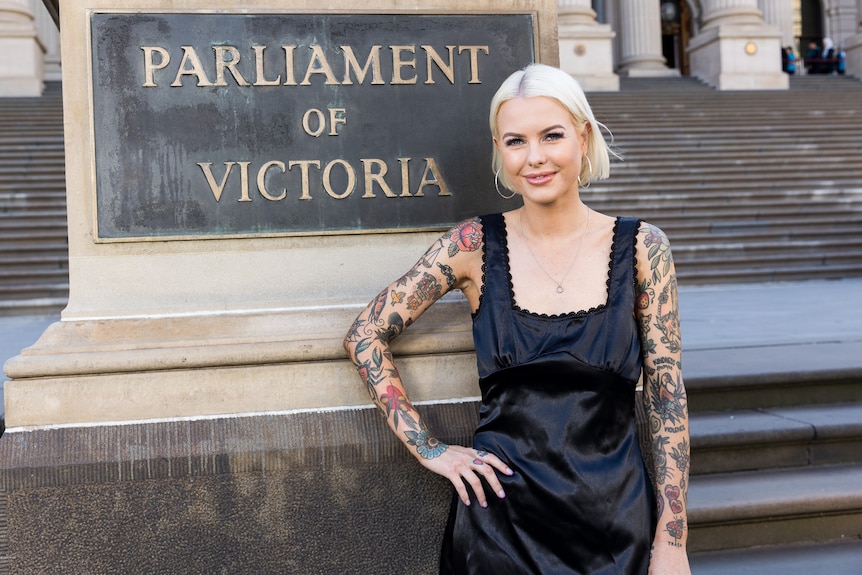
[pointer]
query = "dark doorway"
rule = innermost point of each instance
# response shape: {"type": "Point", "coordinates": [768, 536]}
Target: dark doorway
{"type": "Point", "coordinates": [675, 33]}
{"type": "Point", "coordinates": [812, 24]}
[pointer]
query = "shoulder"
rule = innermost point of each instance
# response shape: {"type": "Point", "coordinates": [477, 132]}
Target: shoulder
{"type": "Point", "coordinates": [654, 257]}
{"type": "Point", "coordinates": [465, 237]}
{"type": "Point", "coordinates": [650, 235]}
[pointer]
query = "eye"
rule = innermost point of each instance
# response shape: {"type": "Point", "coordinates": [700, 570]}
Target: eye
{"type": "Point", "coordinates": [552, 136]}
{"type": "Point", "coordinates": [514, 141]}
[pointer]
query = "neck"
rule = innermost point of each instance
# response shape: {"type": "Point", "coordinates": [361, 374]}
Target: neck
{"type": "Point", "coordinates": [554, 221]}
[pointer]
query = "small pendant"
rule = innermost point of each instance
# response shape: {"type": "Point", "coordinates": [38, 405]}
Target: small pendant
{"type": "Point", "coordinates": [560, 289]}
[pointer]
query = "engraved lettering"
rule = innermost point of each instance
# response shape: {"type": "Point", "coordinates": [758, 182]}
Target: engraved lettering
{"type": "Point", "coordinates": [190, 57]}
{"type": "Point", "coordinates": [318, 65]}
{"type": "Point", "coordinates": [327, 181]}
{"type": "Point", "coordinates": [306, 122]}
{"type": "Point", "coordinates": [398, 63]}
{"type": "Point", "coordinates": [351, 63]}
{"type": "Point", "coordinates": [261, 181]}
{"type": "Point", "coordinates": [474, 61]}
{"type": "Point", "coordinates": [230, 64]}
{"type": "Point", "coordinates": [372, 178]}
{"type": "Point", "coordinates": [448, 69]}
{"type": "Point", "coordinates": [216, 188]}
{"type": "Point", "coordinates": [260, 76]}
{"type": "Point", "coordinates": [150, 66]}
{"type": "Point", "coordinates": [303, 168]}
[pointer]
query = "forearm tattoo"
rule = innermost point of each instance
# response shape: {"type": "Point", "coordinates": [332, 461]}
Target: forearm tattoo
{"type": "Point", "coordinates": [389, 314]}
{"type": "Point", "coordinates": [666, 400]}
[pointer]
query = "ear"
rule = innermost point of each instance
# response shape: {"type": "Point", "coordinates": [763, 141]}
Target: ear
{"type": "Point", "coordinates": [585, 137]}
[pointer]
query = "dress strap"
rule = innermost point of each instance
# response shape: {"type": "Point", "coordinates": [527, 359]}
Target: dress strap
{"type": "Point", "coordinates": [623, 277]}
{"type": "Point", "coordinates": [495, 281]}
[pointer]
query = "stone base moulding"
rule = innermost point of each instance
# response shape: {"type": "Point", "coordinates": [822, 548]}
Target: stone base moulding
{"type": "Point", "coordinates": [146, 369]}
{"type": "Point", "coordinates": [586, 53]}
{"type": "Point", "coordinates": [738, 57]}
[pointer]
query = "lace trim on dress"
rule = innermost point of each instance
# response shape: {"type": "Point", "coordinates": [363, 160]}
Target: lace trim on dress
{"type": "Point", "coordinates": [635, 283]}
{"type": "Point", "coordinates": [483, 223]}
{"type": "Point", "coordinates": [571, 314]}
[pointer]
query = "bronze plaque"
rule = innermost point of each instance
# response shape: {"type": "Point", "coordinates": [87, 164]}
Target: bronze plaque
{"type": "Point", "coordinates": [232, 125]}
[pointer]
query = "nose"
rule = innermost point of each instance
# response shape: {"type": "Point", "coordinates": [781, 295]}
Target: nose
{"type": "Point", "coordinates": [537, 155]}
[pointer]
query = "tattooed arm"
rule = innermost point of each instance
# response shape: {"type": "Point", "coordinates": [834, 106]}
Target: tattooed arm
{"type": "Point", "coordinates": [453, 262]}
{"type": "Point", "coordinates": [665, 398]}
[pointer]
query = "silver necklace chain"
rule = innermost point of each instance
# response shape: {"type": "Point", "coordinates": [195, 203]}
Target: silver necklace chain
{"type": "Point", "coordinates": [559, 284]}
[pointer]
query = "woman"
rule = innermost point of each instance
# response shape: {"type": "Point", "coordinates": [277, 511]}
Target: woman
{"type": "Point", "coordinates": [570, 306]}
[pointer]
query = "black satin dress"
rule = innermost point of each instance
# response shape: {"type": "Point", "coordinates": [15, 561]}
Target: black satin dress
{"type": "Point", "coordinates": [558, 408]}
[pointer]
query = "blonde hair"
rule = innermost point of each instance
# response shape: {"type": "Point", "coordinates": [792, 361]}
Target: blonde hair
{"type": "Point", "coordinates": [543, 80]}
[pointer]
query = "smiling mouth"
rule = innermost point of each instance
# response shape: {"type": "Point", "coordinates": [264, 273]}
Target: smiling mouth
{"type": "Point", "coordinates": [538, 179]}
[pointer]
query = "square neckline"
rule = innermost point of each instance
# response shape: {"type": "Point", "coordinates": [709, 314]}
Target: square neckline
{"type": "Point", "coordinates": [565, 315]}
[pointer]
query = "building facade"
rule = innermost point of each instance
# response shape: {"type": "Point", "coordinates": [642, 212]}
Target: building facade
{"type": "Point", "coordinates": [729, 44]}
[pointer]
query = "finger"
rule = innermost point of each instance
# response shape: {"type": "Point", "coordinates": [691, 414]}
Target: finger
{"type": "Point", "coordinates": [461, 490]}
{"type": "Point", "coordinates": [496, 462]}
{"type": "Point", "coordinates": [476, 483]}
{"type": "Point", "coordinates": [491, 477]}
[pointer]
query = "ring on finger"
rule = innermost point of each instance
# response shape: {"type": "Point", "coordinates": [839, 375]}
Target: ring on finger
{"type": "Point", "coordinates": [482, 453]}
{"type": "Point", "coordinates": [478, 461]}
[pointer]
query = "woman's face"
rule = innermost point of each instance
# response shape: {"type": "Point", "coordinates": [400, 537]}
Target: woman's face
{"type": "Point", "coordinates": [541, 148]}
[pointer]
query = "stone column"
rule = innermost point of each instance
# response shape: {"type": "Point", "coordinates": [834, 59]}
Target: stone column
{"type": "Point", "coordinates": [21, 71]}
{"type": "Point", "coordinates": [736, 49]}
{"type": "Point", "coordinates": [779, 13]}
{"type": "Point", "coordinates": [640, 35]}
{"type": "Point", "coordinates": [586, 47]}
{"type": "Point", "coordinates": [853, 46]}
{"type": "Point", "coordinates": [49, 37]}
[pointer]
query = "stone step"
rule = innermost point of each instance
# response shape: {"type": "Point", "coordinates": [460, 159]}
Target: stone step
{"type": "Point", "coordinates": [724, 258]}
{"type": "Point", "coordinates": [743, 204]}
{"type": "Point", "coordinates": [834, 558]}
{"type": "Point", "coordinates": [738, 392]}
{"type": "Point", "coordinates": [44, 306]}
{"type": "Point", "coordinates": [768, 274]}
{"type": "Point", "coordinates": [49, 249]}
{"type": "Point", "coordinates": [816, 226]}
{"type": "Point", "coordinates": [768, 438]}
{"type": "Point", "coordinates": [775, 507]}
{"type": "Point", "coordinates": [22, 296]}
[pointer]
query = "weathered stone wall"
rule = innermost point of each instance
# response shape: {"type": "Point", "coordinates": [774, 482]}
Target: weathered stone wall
{"type": "Point", "coordinates": [306, 492]}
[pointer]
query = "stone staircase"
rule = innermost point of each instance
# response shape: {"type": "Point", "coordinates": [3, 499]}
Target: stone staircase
{"type": "Point", "coordinates": [34, 250]}
{"type": "Point", "coordinates": [777, 467]}
{"type": "Point", "coordinates": [750, 186]}
{"type": "Point", "coordinates": [756, 187]}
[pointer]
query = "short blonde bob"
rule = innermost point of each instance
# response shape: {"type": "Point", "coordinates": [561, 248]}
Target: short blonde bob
{"type": "Point", "coordinates": [543, 80]}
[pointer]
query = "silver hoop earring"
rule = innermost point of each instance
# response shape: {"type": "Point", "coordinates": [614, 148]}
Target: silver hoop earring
{"type": "Point", "coordinates": [497, 187]}
{"type": "Point", "coordinates": [590, 165]}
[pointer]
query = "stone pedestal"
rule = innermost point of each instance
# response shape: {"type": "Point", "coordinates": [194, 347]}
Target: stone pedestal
{"type": "Point", "coordinates": [735, 50]}
{"type": "Point", "coordinates": [640, 35]}
{"type": "Point", "coordinates": [160, 328]}
{"type": "Point", "coordinates": [586, 47]}
{"type": "Point", "coordinates": [21, 69]}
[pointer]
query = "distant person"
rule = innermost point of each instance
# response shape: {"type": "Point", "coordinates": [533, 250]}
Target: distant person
{"type": "Point", "coordinates": [812, 59]}
{"type": "Point", "coordinates": [788, 60]}
{"type": "Point", "coordinates": [570, 307]}
{"type": "Point", "coordinates": [841, 65]}
{"type": "Point", "coordinates": [827, 57]}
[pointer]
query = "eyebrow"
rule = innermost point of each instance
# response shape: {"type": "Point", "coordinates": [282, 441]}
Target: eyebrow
{"type": "Point", "coordinates": [545, 131]}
